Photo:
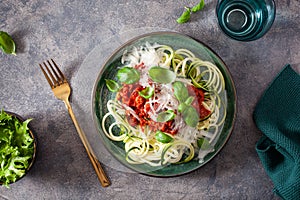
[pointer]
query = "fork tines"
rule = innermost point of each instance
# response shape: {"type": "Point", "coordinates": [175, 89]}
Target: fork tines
{"type": "Point", "coordinates": [52, 73]}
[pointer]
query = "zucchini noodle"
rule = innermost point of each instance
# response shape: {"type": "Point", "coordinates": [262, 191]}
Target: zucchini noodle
{"type": "Point", "coordinates": [140, 142]}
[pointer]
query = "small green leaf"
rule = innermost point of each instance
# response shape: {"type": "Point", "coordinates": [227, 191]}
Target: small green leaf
{"type": "Point", "coordinates": [203, 143]}
{"type": "Point", "coordinates": [199, 6]}
{"type": "Point", "coordinates": [181, 107]}
{"type": "Point", "coordinates": [189, 100]}
{"type": "Point", "coordinates": [190, 116]}
{"type": "Point", "coordinates": [180, 91]}
{"type": "Point", "coordinates": [147, 93]}
{"type": "Point", "coordinates": [112, 85]}
{"type": "Point", "coordinates": [163, 137]}
{"type": "Point", "coordinates": [7, 44]}
{"type": "Point", "coordinates": [165, 116]}
{"type": "Point", "coordinates": [128, 75]}
{"type": "Point", "coordinates": [185, 16]}
{"type": "Point", "coordinates": [162, 75]}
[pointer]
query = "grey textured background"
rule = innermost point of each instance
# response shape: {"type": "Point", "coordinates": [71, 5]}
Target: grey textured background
{"type": "Point", "coordinates": [69, 30]}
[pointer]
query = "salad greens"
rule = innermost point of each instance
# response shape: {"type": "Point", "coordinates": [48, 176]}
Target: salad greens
{"type": "Point", "coordinates": [7, 44]}
{"type": "Point", "coordinates": [186, 15]}
{"type": "Point", "coordinates": [16, 148]}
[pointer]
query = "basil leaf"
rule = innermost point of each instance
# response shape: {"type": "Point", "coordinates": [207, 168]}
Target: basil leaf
{"type": "Point", "coordinates": [199, 6]}
{"type": "Point", "coordinates": [166, 116]}
{"type": "Point", "coordinates": [203, 143]}
{"type": "Point", "coordinates": [185, 16]}
{"type": "Point", "coordinates": [7, 44]}
{"type": "Point", "coordinates": [128, 75]}
{"type": "Point", "coordinates": [182, 107]}
{"type": "Point", "coordinates": [180, 91]}
{"type": "Point", "coordinates": [190, 116]}
{"type": "Point", "coordinates": [147, 93]}
{"type": "Point", "coordinates": [112, 85]}
{"type": "Point", "coordinates": [189, 100]}
{"type": "Point", "coordinates": [162, 75]}
{"type": "Point", "coordinates": [163, 137]}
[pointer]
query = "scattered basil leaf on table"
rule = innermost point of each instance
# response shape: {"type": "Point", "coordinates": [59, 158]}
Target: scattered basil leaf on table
{"type": "Point", "coordinates": [128, 75]}
{"type": "Point", "coordinates": [199, 6]}
{"type": "Point", "coordinates": [162, 75]}
{"type": "Point", "coordinates": [186, 15]}
{"type": "Point", "coordinates": [165, 116]}
{"type": "Point", "coordinates": [7, 44]}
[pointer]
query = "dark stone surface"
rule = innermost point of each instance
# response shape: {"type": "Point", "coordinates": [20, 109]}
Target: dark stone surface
{"type": "Point", "coordinates": [68, 31]}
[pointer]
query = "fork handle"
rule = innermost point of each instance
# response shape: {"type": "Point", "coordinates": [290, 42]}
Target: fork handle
{"type": "Point", "coordinates": [95, 162]}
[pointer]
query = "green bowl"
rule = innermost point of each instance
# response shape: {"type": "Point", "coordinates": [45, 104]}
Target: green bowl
{"type": "Point", "coordinates": [101, 95]}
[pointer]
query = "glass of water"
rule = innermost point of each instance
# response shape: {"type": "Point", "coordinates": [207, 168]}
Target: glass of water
{"type": "Point", "coordinates": [245, 20]}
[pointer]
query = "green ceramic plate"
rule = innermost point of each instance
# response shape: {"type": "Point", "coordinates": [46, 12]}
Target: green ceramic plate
{"type": "Point", "coordinates": [101, 95]}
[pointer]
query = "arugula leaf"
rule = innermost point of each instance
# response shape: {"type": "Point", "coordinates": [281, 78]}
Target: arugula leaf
{"type": "Point", "coordinates": [7, 44]}
{"type": "Point", "coordinates": [16, 148]}
{"type": "Point", "coordinates": [128, 75]}
{"type": "Point", "coordinates": [185, 16]}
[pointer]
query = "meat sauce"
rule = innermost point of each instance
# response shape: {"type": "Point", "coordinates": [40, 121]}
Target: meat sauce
{"type": "Point", "coordinates": [129, 95]}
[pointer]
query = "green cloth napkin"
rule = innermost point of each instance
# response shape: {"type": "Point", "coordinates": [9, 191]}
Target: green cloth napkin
{"type": "Point", "coordinates": [277, 115]}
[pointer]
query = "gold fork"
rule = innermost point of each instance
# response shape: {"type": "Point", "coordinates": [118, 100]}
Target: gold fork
{"type": "Point", "coordinates": [62, 91]}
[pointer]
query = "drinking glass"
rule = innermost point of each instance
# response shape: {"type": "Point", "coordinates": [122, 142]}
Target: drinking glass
{"type": "Point", "coordinates": [245, 20]}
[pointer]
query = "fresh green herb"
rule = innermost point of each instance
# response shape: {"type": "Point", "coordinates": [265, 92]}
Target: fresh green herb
{"type": "Point", "coordinates": [7, 44]}
{"type": "Point", "coordinates": [112, 85]}
{"type": "Point", "coordinates": [186, 15]}
{"type": "Point", "coordinates": [147, 92]}
{"type": "Point", "coordinates": [16, 148]}
{"type": "Point", "coordinates": [128, 75]}
{"type": "Point", "coordinates": [199, 6]}
{"type": "Point", "coordinates": [163, 137]}
{"type": "Point", "coordinates": [162, 75]}
{"type": "Point", "coordinates": [190, 116]}
{"type": "Point", "coordinates": [180, 91]}
{"type": "Point", "coordinates": [166, 116]}
{"type": "Point", "coordinates": [203, 143]}
{"type": "Point", "coordinates": [189, 100]}
{"type": "Point", "coordinates": [189, 113]}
